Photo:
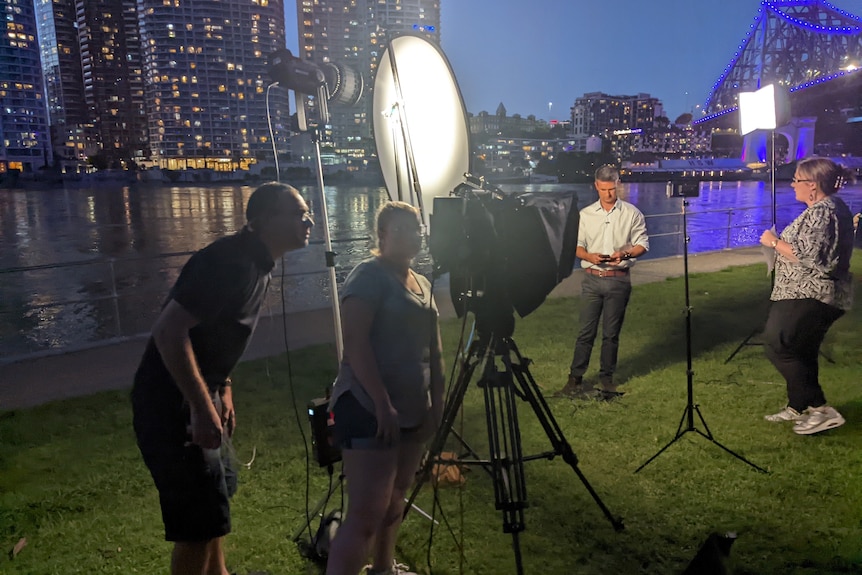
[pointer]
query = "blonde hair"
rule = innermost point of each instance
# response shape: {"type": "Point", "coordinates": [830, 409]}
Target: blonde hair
{"type": "Point", "coordinates": [389, 212]}
{"type": "Point", "coordinates": [828, 175]}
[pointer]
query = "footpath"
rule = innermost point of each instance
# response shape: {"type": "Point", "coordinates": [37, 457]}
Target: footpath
{"type": "Point", "coordinates": [109, 367]}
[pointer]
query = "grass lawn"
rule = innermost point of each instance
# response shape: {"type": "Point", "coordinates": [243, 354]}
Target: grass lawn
{"type": "Point", "coordinates": [73, 484]}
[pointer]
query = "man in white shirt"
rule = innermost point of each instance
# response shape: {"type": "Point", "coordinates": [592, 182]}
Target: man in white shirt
{"type": "Point", "coordinates": [611, 235]}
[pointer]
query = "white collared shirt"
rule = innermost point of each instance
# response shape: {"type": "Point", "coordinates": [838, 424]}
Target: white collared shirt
{"type": "Point", "coordinates": [606, 232]}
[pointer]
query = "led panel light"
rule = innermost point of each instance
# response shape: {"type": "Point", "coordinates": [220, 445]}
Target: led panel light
{"type": "Point", "coordinates": [757, 110]}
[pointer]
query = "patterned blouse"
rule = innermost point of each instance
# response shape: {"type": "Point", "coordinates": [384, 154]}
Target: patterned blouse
{"type": "Point", "coordinates": [822, 240]}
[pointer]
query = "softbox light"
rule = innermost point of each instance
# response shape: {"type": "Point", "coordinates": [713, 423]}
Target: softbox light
{"type": "Point", "coordinates": [420, 123]}
{"type": "Point", "coordinates": [765, 109]}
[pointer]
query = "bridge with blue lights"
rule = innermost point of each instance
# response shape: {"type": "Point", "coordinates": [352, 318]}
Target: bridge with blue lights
{"type": "Point", "coordinates": [798, 46]}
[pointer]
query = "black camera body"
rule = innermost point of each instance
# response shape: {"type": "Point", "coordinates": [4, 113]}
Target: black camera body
{"type": "Point", "coordinates": [503, 251]}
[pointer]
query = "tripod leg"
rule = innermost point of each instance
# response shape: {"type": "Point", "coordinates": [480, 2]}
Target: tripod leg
{"type": "Point", "coordinates": [746, 341]}
{"type": "Point", "coordinates": [679, 433]}
{"type": "Point", "coordinates": [316, 510]}
{"type": "Point", "coordinates": [450, 412]}
{"type": "Point", "coordinates": [531, 392]}
{"type": "Point", "coordinates": [710, 437]}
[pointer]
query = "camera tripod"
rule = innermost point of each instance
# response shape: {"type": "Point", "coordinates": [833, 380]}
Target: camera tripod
{"type": "Point", "coordinates": [502, 388]}
{"type": "Point", "coordinates": [686, 423]}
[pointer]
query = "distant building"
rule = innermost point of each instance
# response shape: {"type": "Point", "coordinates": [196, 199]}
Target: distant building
{"type": "Point", "coordinates": [501, 124]}
{"type": "Point", "coordinates": [665, 142]}
{"type": "Point", "coordinates": [73, 135]}
{"type": "Point", "coordinates": [352, 36]}
{"type": "Point", "coordinates": [519, 154]}
{"type": "Point", "coordinates": [113, 77]}
{"type": "Point", "coordinates": [24, 140]}
{"type": "Point", "coordinates": [206, 81]}
{"type": "Point", "coordinates": [600, 114]}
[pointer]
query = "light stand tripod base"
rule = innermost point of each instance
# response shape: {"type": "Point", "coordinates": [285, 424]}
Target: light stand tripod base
{"type": "Point", "coordinates": [686, 423]}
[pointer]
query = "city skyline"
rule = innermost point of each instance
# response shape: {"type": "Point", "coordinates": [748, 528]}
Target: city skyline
{"type": "Point", "coordinates": [617, 47]}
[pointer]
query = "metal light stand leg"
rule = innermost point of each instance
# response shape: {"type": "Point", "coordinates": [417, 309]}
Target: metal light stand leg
{"type": "Point", "coordinates": [308, 548]}
{"type": "Point", "coordinates": [686, 423]}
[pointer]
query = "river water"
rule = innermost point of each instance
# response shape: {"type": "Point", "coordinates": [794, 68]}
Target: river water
{"type": "Point", "coordinates": [79, 266]}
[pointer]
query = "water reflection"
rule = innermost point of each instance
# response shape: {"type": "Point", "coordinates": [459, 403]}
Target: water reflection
{"type": "Point", "coordinates": [122, 247]}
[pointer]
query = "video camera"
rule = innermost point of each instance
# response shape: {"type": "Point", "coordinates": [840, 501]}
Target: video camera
{"type": "Point", "coordinates": [502, 251]}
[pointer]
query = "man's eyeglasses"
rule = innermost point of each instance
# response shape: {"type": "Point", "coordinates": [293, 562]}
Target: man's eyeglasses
{"type": "Point", "coordinates": [795, 180]}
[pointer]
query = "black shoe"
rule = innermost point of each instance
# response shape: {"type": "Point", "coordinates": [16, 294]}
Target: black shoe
{"type": "Point", "coordinates": [575, 388]}
{"type": "Point", "coordinates": [611, 395]}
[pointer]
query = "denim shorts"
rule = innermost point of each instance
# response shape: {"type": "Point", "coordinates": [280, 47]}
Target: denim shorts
{"type": "Point", "coordinates": [356, 428]}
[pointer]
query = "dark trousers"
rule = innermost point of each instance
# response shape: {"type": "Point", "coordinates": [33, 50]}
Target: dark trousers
{"type": "Point", "coordinates": [794, 332]}
{"type": "Point", "coordinates": [605, 297]}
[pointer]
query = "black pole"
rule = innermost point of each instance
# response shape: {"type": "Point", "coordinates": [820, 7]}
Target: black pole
{"type": "Point", "coordinates": [691, 407]}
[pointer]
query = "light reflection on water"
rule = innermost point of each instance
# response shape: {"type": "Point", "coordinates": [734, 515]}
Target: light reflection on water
{"type": "Point", "coordinates": [130, 242]}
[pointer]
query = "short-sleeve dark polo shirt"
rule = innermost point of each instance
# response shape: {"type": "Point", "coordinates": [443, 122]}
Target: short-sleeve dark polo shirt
{"type": "Point", "coordinates": [223, 286]}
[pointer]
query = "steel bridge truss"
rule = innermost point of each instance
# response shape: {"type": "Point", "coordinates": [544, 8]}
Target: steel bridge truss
{"type": "Point", "coordinates": [793, 44]}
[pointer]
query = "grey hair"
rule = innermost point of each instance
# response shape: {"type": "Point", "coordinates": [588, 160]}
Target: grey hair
{"type": "Point", "coordinates": [607, 173]}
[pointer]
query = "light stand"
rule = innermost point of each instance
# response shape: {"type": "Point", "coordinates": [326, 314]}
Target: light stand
{"type": "Point", "coordinates": [686, 423]}
{"type": "Point", "coordinates": [305, 78]}
{"type": "Point", "coordinates": [501, 389]}
{"type": "Point", "coordinates": [759, 111]}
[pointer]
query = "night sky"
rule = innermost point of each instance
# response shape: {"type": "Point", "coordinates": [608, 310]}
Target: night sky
{"type": "Point", "coordinates": [529, 53]}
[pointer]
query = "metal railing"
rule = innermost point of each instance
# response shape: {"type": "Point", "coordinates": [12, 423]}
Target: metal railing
{"type": "Point", "coordinates": [119, 305]}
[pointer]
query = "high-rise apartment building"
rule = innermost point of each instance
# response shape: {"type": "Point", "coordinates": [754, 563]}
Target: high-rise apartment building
{"type": "Point", "coordinates": [113, 76]}
{"type": "Point", "coordinates": [206, 80]}
{"type": "Point", "coordinates": [352, 35]}
{"type": "Point", "coordinates": [599, 114]}
{"type": "Point", "coordinates": [23, 118]}
{"type": "Point", "coordinates": [71, 127]}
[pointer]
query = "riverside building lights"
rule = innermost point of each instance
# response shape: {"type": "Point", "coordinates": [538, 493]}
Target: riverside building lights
{"type": "Point", "coordinates": [24, 141]}
{"type": "Point", "coordinates": [205, 81]}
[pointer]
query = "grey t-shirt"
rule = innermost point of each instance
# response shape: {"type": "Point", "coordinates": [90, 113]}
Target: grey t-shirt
{"type": "Point", "coordinates": [403, 329]}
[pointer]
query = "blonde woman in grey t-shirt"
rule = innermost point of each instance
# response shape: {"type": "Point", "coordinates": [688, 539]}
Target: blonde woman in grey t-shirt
{"type": "Point", "coordinates": [812, 289]}
{"type": "Point", "coordinates": [388, 397]}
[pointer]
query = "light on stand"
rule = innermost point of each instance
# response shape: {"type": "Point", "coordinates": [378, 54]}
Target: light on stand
{"type": "Point", "coordinates": [304, 78]}
{"type": "Point", "coordinates": [765, 109]}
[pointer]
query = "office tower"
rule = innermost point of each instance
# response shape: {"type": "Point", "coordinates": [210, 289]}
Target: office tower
{"type": "Point", "coordinates": [24, 141]}
{"type": "Point", "coordinates": [206, 80]}
{"type": "Point", "coordinates": [112, 73]}
{"type": "Point", "coordinates": [71, 129]}
{"type": "Point", "coordinates": [352, 35]}
{"type": "Point", "coordinates": [599, 114]}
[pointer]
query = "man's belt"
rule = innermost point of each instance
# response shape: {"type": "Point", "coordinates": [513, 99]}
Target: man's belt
{"type": "Point", "coordinates": [603, 273]}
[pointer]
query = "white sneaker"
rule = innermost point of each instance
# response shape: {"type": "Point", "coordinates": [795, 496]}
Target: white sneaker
{"type": "Point", "coordinates": [817, 419]}
{"type": "Point", "coordinates": [786, 414]}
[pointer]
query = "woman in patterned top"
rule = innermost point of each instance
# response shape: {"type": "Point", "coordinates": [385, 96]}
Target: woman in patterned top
{"type": "Point", "coordinates": [811, 290]}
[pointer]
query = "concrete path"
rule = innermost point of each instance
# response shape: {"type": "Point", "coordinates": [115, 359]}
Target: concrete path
{"type": "Point", "coordinates": [37, 381]}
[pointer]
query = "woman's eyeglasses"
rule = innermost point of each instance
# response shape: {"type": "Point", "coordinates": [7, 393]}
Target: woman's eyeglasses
{"type": "Point", "coordinates": [795, 180]}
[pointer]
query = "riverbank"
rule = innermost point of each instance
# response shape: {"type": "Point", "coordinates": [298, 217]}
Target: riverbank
{"type": "Point", "coordinates": [34, 382]}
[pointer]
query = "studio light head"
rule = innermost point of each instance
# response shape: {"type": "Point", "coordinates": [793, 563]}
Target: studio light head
{"type": "Point", "coordinates": [295, 74]}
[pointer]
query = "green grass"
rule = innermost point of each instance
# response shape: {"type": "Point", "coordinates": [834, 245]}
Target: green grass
{"type": "Point", "coordinates": [73, 484]}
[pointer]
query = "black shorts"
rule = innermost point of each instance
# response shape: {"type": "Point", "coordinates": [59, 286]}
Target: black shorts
{"type": "Point", "coordinates": [194, 484]}
{"type": "Point", "coordinates": [356, 428]}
